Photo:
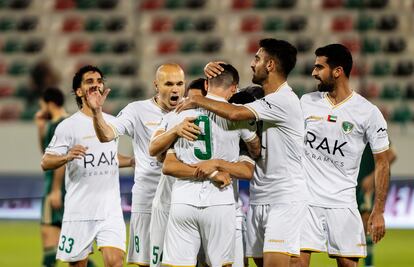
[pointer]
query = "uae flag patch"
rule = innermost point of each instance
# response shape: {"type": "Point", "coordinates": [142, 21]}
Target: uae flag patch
{"type": "Point", "coordinates": [332, 118]}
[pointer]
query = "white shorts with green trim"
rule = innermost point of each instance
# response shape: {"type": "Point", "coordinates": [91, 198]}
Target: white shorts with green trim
{"type": "Point", "coordinates": [337, 231]}
{"type": "Point", "coordinates": [77, 237]}
{"type": "Point", "coordinates": [158, 226]}
{"type": "Point", "coordinates": [274, 228]}
{"type": "Point", "coordinates": [139, 239]}
{"type": "Point", "coordinates": [189, 227]}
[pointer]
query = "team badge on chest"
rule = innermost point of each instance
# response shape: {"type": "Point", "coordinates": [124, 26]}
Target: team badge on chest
{"type": "Point", "coordinates": [347, 127]}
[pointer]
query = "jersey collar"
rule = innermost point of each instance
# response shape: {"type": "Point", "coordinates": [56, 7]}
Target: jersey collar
{"type": "Point", "coordinates": [333, 106]}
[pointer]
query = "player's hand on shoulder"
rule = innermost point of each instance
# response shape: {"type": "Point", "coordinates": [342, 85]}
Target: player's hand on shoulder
{"type": "Point", "coordinates": [76, 152]}
{"type": "Point", "coordinates": [213, 69]}
{"type": "Point", "coordinates": [187, 103]}
{"type": "Point", "coordinates": [187, 129]}
{"type": "Point", "coordinates": [55, 198]}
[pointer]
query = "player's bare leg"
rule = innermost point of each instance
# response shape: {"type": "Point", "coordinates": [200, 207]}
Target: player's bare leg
{"type": "Point", "coordinates": [82, 263]}
{"type": "Point", "coordinates": [274, 259]}
{"type": "Point", "coordinates": [295, 262]}
{"type": "Point", "coordinates": [50, 240]}
{"type": "Point", "coordinates": [304, 259]}
{"type": "Point", "coordinates": [347, 262]}
{"type": "Point", "coordinates": [113, 257]}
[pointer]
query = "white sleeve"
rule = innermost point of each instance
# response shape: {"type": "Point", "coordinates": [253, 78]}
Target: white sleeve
{"type": "Point", "coordinates": [269, 108]}
{"type": "Point", "coordinates": [125, 121]}
{"type": "Point", "coordinates": [247, 159]}
{"type": "Point", "coordinates": [247, 131]}
{"type": "Point", "coordinates": [61, 141]}
{"type": "Point", "coordinates": [164, 124]}
{"type": "Point", "coordinates": [376, 132]}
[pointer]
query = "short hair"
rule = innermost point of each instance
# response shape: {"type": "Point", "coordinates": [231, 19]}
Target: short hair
{"type": "Point", "coordinates": [247, 95]}
{"type": "Point", "coordinates": [229, 76]}
{"type": "Point", "coordinates": [197, 84]}
{"type": "Point", "coordinates": [282, 51]}
{"type": "Point", "coordinates": [337, 56]}
{"type": "Point", "coordinates": [53, 95]}
{"type": "Point", "coordinates": [77, 80]}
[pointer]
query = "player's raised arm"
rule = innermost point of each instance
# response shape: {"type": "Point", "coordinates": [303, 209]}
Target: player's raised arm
{"type": "Point", "coordinates": [376, 223]}
{"type": "Point", "coordinates": [95, 100]}
{"type": "Point", "coordinates": [53, 161]}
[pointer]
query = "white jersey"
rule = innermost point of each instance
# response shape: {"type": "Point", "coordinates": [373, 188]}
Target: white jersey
{"type": "Point", "coordinates": [92, 183]}
{"type": "Point", "coordinates": [219, 140]}
{"type": "Point", "coordinates": [336, 136]}
{"type": "Point", "coordinates": [139, 120]}
{"type": "Point", "coordinates": [278, 176]}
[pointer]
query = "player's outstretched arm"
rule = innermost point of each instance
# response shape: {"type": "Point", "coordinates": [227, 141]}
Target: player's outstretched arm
{"type": "Point", "coordinates": [126, 161]}
{"type": "Point", "coordinates": [53, 161]}
{"type": "Point", "coordinates": [376, 223]}
{"type": "Point", "coordinates": [223, 109]}
{"type": "Point", "coordinates": [162, 140]}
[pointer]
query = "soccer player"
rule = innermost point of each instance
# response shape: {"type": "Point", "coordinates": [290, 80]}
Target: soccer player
{"type": "Point", "coordinates": [201, 211]}
{"type": "Point", "coordinates": [163, 138]}
{"type": "Point", "coordinates": [365, 193]}
{"type": "Point", "coordinates": [160, 142]}
{"type": "Point", "coordinates": [92, 201]}
{"type": "Point", "coordinates": [339, 123]}
{"type": "Point", "coordinates": [278, 190]}
{"type": "Point", "coordinates": [47, 118]}
{"type": "Point", "coordinates": [138, 120]}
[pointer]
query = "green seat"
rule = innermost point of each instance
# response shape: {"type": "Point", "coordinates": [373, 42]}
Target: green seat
{"type": "Point", "coordinates": [273, 24]}
{"type": "Point", "coordinates": [364, 23]}
{"type": "Point", "coordinates": [116, 91]}
{"type": "Point", "coordinates": [402, 114]}
{"type": "Point", "coordinates": [183, 25]}
{"type": "Point", "coordinates": [94, 25]}
{"type": "Point", "coordinates": [261, 4]}
{"type": "Point", "coordinates": [18, 68]}
{"type": "Point", "coordinates": [371, 45]}
{"type": "Point", "coordinates": [28, 113]}
{"type": "Point", "coordinates": [108, 69]}
{"type": "Point", "coordinates": [13, 46]}
{"type": "Point", "coordinates": [173, 4]}
{"type": "Point", "coordinates": [354, 3]}
{"type": "Point", "coordinates": [7, 24]}
{"type": "Point", "coordinates": [391, 92]}
{"type": "Point", "coordinates": [100, 47]}
{"type": "Point", "coordinates": [196, 69]}
{"type": "Point", "coordinates": [86, 4]}
{"type": "Point", "coordinates": [381, 68]}
{"type": "Point", "coordinates": [22, 91]}
{"type": "Point", "coordinates": [189, 46]}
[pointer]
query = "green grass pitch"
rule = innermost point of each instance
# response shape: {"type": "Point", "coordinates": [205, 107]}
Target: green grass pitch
{"type": "Point", "coordinates": [20, 246]}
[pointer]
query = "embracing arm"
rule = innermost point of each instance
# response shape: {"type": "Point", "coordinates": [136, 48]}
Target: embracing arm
{"type": "Point", "coordinates": [376, 223]}
{"type": "Point", "coordinates": [126, 161]}
{"type": "Point", "coordinates": [163, 140]}
{"type": "Point", "coordinates": [254, 147]}
{"type": "Point", "coordinates": [242, 169]}
{"type": "Point", "coordinates": [174, 167]}
{"type": "Point", "coordinates": [223, 109]}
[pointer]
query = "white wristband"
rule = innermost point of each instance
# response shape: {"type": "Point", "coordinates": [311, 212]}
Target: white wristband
{"type": "Point", "coordinates": [214, 173]}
